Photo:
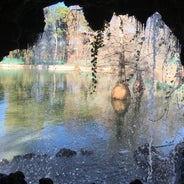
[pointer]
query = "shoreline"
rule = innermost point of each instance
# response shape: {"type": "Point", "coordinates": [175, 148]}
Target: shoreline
{"type": "Point", "coordinates": [106, 69]}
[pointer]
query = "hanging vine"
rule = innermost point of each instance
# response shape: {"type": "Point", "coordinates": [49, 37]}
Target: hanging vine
{"type": "Point", "coordinates": [96, 44]}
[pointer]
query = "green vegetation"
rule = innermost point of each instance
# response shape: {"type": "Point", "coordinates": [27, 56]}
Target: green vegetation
{"type": "Point", "coordinates": [7, 60]}
{"type": "Point", "coordinates": [51, 46]}
{"type": "Point", "coordinates": [122, 47]}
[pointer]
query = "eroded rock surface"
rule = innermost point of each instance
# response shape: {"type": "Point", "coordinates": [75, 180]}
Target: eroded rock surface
{"type": "Point", "coordinates": [22, 20]}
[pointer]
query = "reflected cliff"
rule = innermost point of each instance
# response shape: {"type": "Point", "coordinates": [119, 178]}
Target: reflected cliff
{"type": "Point", "coordinates": [43, 111]}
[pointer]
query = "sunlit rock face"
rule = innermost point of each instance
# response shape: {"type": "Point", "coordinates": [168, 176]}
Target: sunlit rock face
{"type": "Point", "coordinates": [22, 20]}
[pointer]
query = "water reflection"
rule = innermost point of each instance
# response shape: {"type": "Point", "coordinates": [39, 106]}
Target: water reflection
{"type": "Point", "coordinates": [120, 107]}
{"type": "Point", "coordinates": [42, 112]}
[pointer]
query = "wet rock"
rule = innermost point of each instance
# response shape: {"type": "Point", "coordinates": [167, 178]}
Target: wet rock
{"type": "Point", "coordinates": [2, 175]}
{"type": "Point", "coordinates": [66, 153]}
{"type": "Point", "coordinates": [162, 167]}
{"type": "Point", "coordinates": [142, 153]}
{"type": "Point", "coordinates": [13, 178]}
{"type": "Point", "coordinates": [26, 156]}
{"type": "Point", "coordinates": [17, 158]}
{"type": "Point", "coordinates": [178, 155]}
{"type": "Point", "coordinates": [29, 155]}
{"type": "Point", "coordinates": [45, 181]}
{"type": "Point", "coordinates": [4, 161]}
{"type": "Point", "coordinates": [85, 151]}
{"type": "Point", "coordinates": [136, 182]}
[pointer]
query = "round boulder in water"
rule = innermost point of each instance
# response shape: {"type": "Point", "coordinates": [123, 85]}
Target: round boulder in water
{"type": "Point", "coordinates": [121, 91]}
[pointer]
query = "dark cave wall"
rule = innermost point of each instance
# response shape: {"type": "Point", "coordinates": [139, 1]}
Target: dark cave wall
{"type": "Point", "coordinates": [20, 25]}
{"type": "Point", "coordinates": [23, 20]}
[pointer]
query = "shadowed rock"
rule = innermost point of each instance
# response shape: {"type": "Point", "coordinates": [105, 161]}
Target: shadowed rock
{"type": "Point", "coordinates": [13, 178]}
{"type": "Point", "coordinates": [45, 181]}
{"type": "Point", "coordinates": [26, 156]}
{"type": "Point", "coordinates": [66, 153]}
{"type": "Point", "coordinates": [136, 182]}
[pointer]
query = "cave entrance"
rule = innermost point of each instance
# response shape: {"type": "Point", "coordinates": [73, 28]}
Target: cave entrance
{"type": "Point", "coordinates": [104, 137]}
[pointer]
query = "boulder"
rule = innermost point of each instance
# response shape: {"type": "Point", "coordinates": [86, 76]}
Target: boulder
{"type": "Point", "coordinates": [66, 153]}
{"type": "Point", "coordinates": [120, 92]}
{"type": "Point", "coordinates": [13, 178]}
{"type": "Point", "coordinates": [136, 182]}
{"type": "Point", "coordinates": [45, 181]}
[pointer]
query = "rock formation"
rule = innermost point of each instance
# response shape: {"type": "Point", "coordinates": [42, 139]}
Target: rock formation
{"type": "Point", "coordinates": [22, 20]}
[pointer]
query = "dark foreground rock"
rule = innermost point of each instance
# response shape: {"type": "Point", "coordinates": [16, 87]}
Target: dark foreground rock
{"type": "Point", "coordinates": [45, 181]}
{"type": "Point", "coordinates": [13, 178]}
{"type": "Point", "coordinates": [19, 178]}
{"type": "Point", "coordinates": [136, 182]}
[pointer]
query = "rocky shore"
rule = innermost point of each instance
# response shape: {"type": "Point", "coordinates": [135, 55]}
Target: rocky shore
{"type": "Point", "coordinates": [88, 167]}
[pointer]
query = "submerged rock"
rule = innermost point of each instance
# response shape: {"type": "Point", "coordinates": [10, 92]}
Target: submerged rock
{"type": "Point", "coordinates": [45, 181]}
{"type": "Point", "coordinates": [66, 153]}
{"type": "Point", "coordinates": [85, 151]}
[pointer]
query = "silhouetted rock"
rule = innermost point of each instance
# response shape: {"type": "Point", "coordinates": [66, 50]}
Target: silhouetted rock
{"type": "Point", "coordinates": [66, 153]}
{"type": "Point", "coordinates": [18, 178]}
{"type": "Point", "coordinates": [2, 175]}
{"type": "Point", "coordinates": [45, 181]}
{"type": "Point", "coordinates": [136, 182]}
{"type": "Point", "coordinates": [13, 178]}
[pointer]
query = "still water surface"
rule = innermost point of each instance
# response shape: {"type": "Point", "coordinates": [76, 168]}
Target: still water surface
{"type": "Point", "coordinates": [42, 112]}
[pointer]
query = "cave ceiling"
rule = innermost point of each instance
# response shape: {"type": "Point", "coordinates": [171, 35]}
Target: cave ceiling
{"type": "Point", "coordinates": [21, 21]}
